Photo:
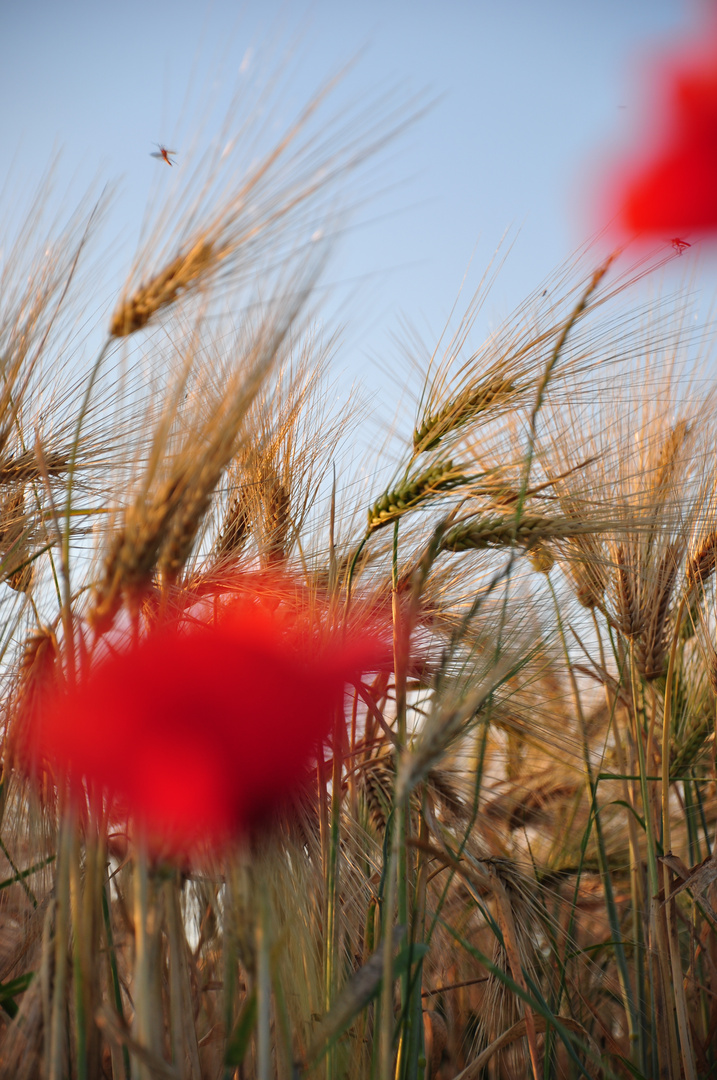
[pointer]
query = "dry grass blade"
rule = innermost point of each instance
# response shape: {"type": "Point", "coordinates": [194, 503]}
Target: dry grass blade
{"type": "Point", "coordinates": [696, 878]}
{"type": "Point", "coordinates": [117, 1032]}
{"type": "Point", "coordinates": [518, 1031]}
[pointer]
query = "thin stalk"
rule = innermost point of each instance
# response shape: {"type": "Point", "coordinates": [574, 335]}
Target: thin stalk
{"type": "Point", "coordinates": [670, 1055]}
{"type": "Point", "coordinates": [58, 1029]}
{"type": "Point", "coordinates": [640, 725]}
{"type": "Point", "coordinates": [699, 800]}
{"type": "Point", "coordinates": [146, 1022]}
{"type": "Point", "coordinates": [263, 988]}
{"type": "Point", "coordinates": [401, 638]}
{"type": "Point", "coordinates": [387, 919]}
{"type": "Point", "coordinates": [642, 917]}
{"type": "Point", "coordinates": [683, 1027]}
{"type": "Point", "coordinates": [591, 784]}
{"type": "Point", "coordinates": [229, 956]}
{"type": "Point", "coordinates": [415, 1045]}
{"type": "Point", "coordinates": [117, 1057]}
{"type": "Point", "coordinates": [396, 899]}
{"type": "Point", "coordinates": [95, 859]}
{"type": "Point", "coordinates": [185, 1051]}
{"type": "Point", "coordinates": [65, 547]}
{"type": "Point", "coordinates": [79, 958]}
{"type": "Point", "coordinates": [333, 906]}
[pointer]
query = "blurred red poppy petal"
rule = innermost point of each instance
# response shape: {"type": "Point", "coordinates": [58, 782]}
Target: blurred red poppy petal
{"type": "Point", "coordinates": [202, 730]}
{"type": "Point", "coordinates": [670, 189]}
{"type": "Point", "coordinates": [676, 194]}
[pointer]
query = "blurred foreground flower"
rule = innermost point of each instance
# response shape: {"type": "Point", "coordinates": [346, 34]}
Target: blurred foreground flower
{"type": "Point", "coordinates": [203, 729]}
{"type": "Point", "coordinates": [671, 188]}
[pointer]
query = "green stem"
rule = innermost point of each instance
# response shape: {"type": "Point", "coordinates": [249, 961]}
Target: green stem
{"type": "Point", "coordinates": [65, 550]}
{"type": "Point", "coordinates": [79, 965]}
{"type": "Point", "coordinates": [58, 1030]}
{"type": "Point", "coordinates": [683, 1026]}
{"type": "Point", "coordinates": [333, 906]}
{"type": "Point", "coordinates": [116, 989]}
{"type": "Point", "coordinates": [352, 567]}
{"type": "Point", "coordinates": [604, 864]}
{"type": "Point", "coordinates": [263, 987]}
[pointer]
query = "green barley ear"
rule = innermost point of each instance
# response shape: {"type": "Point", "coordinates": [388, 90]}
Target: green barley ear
{"type": "Point", "coordinates": [458, 412]}
{"type": "Point", "coordinates": [414, 491]}
{"type": "Point", "coordinates": [541, 558]}
{"type": "Point", "coordinates": [478, 534]}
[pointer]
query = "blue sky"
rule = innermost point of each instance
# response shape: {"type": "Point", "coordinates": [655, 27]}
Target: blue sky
{"type": "Point", "coordinates": [526, 95]}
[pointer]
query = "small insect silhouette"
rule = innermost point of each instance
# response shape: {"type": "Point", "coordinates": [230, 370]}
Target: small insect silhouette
{"type": "Point", "coordinates": [164, 154]}
{"type": "Point", "coordinates": [679, 245]}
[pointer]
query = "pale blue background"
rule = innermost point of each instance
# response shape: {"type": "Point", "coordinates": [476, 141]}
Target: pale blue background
{"type": "Point", "coordinates": [528, 94]}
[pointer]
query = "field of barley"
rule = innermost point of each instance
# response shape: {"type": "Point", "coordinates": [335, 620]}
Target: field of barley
{"type": "Point", "coordinates": [334, 747]}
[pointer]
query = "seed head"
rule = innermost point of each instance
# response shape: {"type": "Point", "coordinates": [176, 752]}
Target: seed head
{"type": "Point", "coordinates": [443, 476]}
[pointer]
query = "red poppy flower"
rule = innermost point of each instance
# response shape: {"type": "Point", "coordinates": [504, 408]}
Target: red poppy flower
{"type": "Point", "coordinates": [670, 189]}
{"type": "Point", "coordinates": [202, 729]}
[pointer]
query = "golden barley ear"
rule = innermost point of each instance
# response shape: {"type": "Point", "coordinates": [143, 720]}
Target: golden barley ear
{"type": "Point", "coordinates": [702, 562]}
{"type": "Point", "coordinates": [235, 528]}
{"type": "Point", "coordinates": [277, 519]}
{"type": "Point", "coordinates": [629, 611]}
{"type": "Point", "coordinates": [461, 411]}
{"type": "Point", "coordinates": [16, 541]}
{"type": "Point", "coordinates": [181, 273]}
{"type": "Point", "coordinates": [652, 641]}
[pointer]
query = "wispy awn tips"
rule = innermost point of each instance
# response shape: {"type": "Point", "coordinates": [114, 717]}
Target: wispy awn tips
{"type": "Point", "coordinates": [164, 154]}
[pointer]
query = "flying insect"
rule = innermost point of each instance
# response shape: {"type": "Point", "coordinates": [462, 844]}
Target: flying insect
{"type": "Point", "coordinates": [164, 154]}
